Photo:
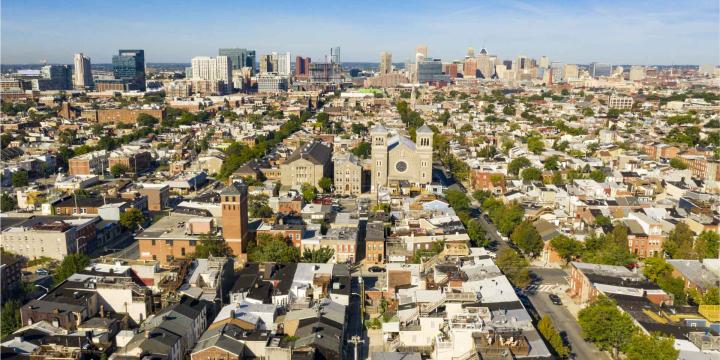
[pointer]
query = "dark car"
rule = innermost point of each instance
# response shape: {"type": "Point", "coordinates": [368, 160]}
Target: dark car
{"type": "Point", "coordinates": [376, 269]}
{"type": "Point", "coordinates": [555, 299]}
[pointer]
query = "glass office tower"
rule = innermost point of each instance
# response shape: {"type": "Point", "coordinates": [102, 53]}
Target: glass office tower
{"type": "Point", "coordinates": [129, 66]}
{"type": "Point", "coordinates": [240, 57]}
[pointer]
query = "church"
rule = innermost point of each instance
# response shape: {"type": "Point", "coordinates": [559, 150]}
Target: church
{"type": "Point", "coordinates": [398, 159]}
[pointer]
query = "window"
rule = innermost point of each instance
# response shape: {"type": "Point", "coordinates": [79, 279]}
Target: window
{"type": "Point", "coordinates": [154, 257]}
{"type": "Point", "coordinates": [193, 242]}
{"type": "Point", "coordinates": [168, 258]}
{"type": "Point", "coordinates": [168, 242]}
{"type": "Point", "coordinates": [182, 251]}
{"type": "Point", "coordinates": [153, 242]}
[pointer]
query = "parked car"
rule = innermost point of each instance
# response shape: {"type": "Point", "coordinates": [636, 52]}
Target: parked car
{"type": "Point", "coordinates": [42, 271]}
{"type": "Point", "coordinates": [376, 269]}
{"type": "Point", "coordinates": [555, 299]}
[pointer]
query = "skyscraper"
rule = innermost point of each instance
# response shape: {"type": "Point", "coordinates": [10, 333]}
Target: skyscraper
{"type": "Point", "coordinates": [129, 66]}
{"type": "Point", "coordinates": [385, 62]}
{"type": "Point", "coordinates": [544, 62]}
{"type": "Point", "coordinates": [82, 76]}
{"type": "Point", "coordinates": [335, 55]}
{"type": "Point", "coordinates": [470, 53]}
{"type": "Point", "coordinates": [240, 57]}
{"type": "Point", "coordinates": [422, 49]}
{"type": "Point", "coordinates": [283, 63]}
{"type": "Point", "coordinates": [213, 69]}
{"type": "Point", "coordinates": [266, 64]}
{"type": "Point", "coordinates": [600, 69]}
{"type": "Point", "coordinates": [302, 66]}
{"type": "Point", "coordinates": [54, 77]}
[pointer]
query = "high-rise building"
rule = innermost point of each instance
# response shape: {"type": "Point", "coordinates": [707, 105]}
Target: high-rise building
{"type": "Point", "coordinates": [422, 49]}
{"type": "Point", "coordinates": [522, 62]}
{"type": "Point", "coordinates": [486, 64]}
{"type": "Point", "coordinates": [335, 55]}
{"type": "Point", "coordinates": [637, 73]}
{"type": "Point", "coordinates": [429, 71]}
{"type": "Point", "coordinates": [266, 64]}
{"type": "Point", "coordinates": [544, 62]}
{"type": "Point", "coordinates": [213, 70]}
{"type": "Point", "coordinates": [302, 66]}
{"type": "Point", "coordinates": [54, 77]}
{"type": "Point", "coordinates": [283, 63]}
{"type": "Point", "coordinates": [600, 69]}
{"type": "Point", "coordinates": [508, 64]}
{"type": "Point", "coordinates": [129, 66]}
{"type": "Point", "coordinates": [470, 53]}
{"type": "Point", "coordinates": [234, 206]}
{"type": "Point", "coordinates": [82, 76]}
{"type": "Point", "coordinates": [570, 71]}
{"type": "Point", "coordinates": [385, 62]}
{"type": "Point", "coordinates": [557, 70]}
{"type": "Point", "coordinates": [240, 57]}
{"type": "Point", "coordinates": [470, 68]}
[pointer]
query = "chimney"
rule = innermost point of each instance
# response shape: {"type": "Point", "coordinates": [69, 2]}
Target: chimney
{"type": "Point", "coordinates": [102, 311]}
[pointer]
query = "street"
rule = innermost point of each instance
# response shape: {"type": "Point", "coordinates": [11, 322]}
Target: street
{"type": "Point", "coordinates": [566, 325]}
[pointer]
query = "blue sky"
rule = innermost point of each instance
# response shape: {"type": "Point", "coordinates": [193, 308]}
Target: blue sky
{"type": "Point", "coordinates": [582, 31]}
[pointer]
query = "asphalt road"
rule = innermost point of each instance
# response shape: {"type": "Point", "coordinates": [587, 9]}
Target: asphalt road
{"type": "Point", "coordinates": [566, 324]}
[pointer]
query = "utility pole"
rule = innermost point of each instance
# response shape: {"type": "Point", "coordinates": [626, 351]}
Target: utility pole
{"type": "Point", "coordinates": [356, 340]}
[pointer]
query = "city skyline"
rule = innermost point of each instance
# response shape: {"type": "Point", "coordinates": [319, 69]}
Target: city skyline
{"type": "Point", "coordinates": [582, 32]}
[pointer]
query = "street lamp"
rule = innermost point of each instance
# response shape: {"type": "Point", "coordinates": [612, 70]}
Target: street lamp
{"type": "Point", "coordinates": [77, 243]}
{"type": "Point", "coordinates": [44, 288]}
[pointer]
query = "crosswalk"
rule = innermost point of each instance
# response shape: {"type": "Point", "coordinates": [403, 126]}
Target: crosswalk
{"type": "Point", "coordinates": [548, 288]}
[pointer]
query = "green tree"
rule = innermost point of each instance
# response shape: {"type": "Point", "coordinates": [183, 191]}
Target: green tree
{"type": "Point", "coordinates": [526, 237]}
{"type": "Point", "coordinates": [71, 264]}
{"type": "Point", "coordinates": [10, 319]}
{"type": "Point", "coordinates": [655, 346]}
{"type": "Point", "coordinates": [551, 163]}
{"type": "Point", "coordinates": [67, 136]}
{"type": "Point", "coordinates": [419, 255]}
{"type": "Point", "coordinates": [211, 245]}
{"type": "Point", "coordinates": [597, 175]}
{"type": "Point", "coordinates": [146, 120]}
{"type": "Point", "coordinates": [548, 331]}
{"type": "Point", "coordinates": [457, 200]}
{"type": "Point", "coordinates": [514, 266]}
{"type": "Point", "coordinates": [588, 112]}
{"type": "Point", "coordinates": [603, 324]}
{"type": "Point", "coordinates": [5, 140]}
{"type": "Point", "coordinates": [321, 255]}
{"type": "Point", "coordinates": [679, 243]}
{"type": "Point", "coordinates": [535, 145]}
{"type": "Point", "coordinates": [614, 113]}
{"type": "Point", "coordinates": [531, 174]}
{"type": "Point", "coordinates": [362, 150]}
{"type": "Point", "coordinates": [325, 183]}
{"type": "Point", "coordinates": [476, 233]}
{"type": "Point", "coordinates": [566, 247]}
{"type": "Point", "coordinates": [518, 163]}
{"type": "Point", "coordinates": [273, 249]}
{"type": "Point", "coordinates": [309, 192]}
{"type": "Point", "coordinates": [706, 244]}
{"type": "Point", "coordinates": [677, 163]}
{"type": "Point", "coordinates": [119, 170]}
{"type": "Point", "coordinates": [655, 268]}
{"type": "Point", "coordinates": [509, 110]}
{"type": "Point", "coordinates": [131, 218]}
{"type": "Point", "coordinates": [7, 203]}
{"type": "Point", "coordinates": [20, 178]}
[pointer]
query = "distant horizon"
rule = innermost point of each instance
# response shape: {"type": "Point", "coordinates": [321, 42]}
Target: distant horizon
{"type": "Point", "coordinates": [344, 62]}
{"type": "Point", "coordinates": [572, 32]}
